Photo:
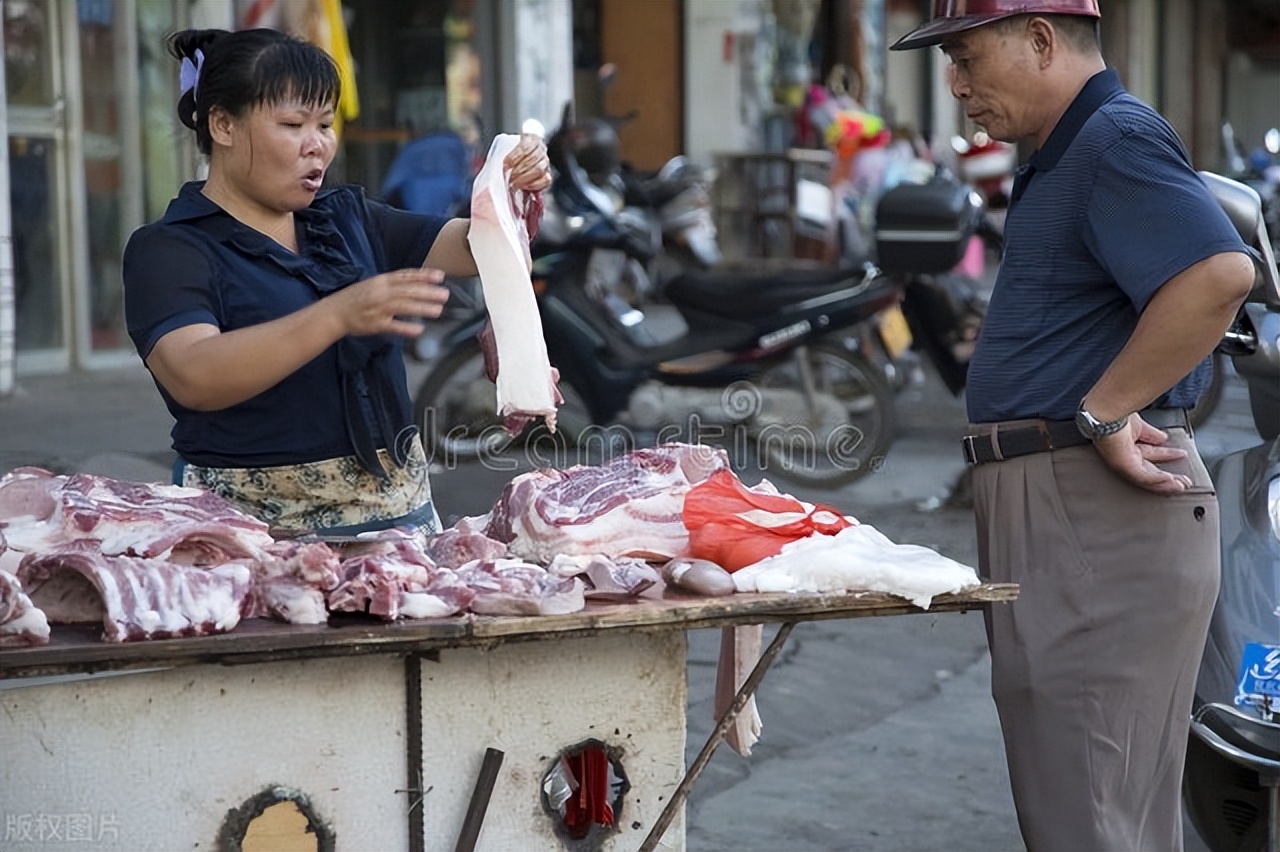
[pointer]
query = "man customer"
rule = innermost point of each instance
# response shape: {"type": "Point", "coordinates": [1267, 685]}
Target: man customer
{"type": "Point", "coordinates": [1119, 277]}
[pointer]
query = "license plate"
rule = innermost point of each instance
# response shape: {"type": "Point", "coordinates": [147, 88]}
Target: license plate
{"type": "Point", "coordinates": [1259, 681]}
{"type": "Point", "coordinates": [894, 331]}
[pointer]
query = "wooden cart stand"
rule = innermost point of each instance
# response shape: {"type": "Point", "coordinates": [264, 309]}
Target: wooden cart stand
{"type": "Point", "coordinates": [377, 732]}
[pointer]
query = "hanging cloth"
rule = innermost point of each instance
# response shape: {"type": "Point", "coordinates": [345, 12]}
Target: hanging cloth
{"type": "Point", "coordinates": [321, 23]}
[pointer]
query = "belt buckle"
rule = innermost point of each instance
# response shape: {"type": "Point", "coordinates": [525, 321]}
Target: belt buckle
{"type": "Point", "coordinates": [967, 444]}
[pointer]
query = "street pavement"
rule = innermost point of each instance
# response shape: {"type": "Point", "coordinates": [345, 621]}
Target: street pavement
{"type": "Point", "coordinates": [879, 734]}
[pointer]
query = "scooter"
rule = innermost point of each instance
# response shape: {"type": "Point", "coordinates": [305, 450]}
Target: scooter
{"type": "Point", "coordinates": [760, 368]}
{"type": "Point", "coordinates": [1231, 784]}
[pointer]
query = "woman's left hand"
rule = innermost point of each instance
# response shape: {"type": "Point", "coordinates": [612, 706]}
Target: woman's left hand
{"type": "Point", "coordinates": [528, 164]}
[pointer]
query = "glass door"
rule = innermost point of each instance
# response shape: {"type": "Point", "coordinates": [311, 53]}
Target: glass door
{"type": "Point", "coordinates": [106, 126]}
{"type": "Point", "coordinates": [37, 181]}
{"type": "Point", "coordinates": [75, 171]}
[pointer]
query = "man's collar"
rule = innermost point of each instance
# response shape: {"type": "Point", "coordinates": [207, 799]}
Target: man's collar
{"type": "Point", "coordinates": [1099, 89]}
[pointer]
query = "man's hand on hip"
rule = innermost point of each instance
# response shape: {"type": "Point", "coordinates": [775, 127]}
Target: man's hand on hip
{"type": "Point", "coordinates": [1134, 452]}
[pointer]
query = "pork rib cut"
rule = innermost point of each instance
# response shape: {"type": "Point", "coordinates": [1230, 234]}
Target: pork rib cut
{"type": "Point", "coordinates": [499, 239]}
{"type": "Point", "coordinates": [136, 598]}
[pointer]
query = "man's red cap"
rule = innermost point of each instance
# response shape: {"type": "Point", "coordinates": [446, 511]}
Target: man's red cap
{"type": "Point", "coordinates": [954, 16]}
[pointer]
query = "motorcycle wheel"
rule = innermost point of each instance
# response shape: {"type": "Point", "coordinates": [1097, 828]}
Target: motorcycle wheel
{"type": "Point", "coordinates": [456, 410]}
{"type": "Point", "coordinates": [1208, 401]}
{"type": "Point", "coordinates": [839, 442]}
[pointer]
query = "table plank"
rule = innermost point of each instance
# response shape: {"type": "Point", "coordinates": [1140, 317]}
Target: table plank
{"type": "Point", "coordinates": [78, 649]}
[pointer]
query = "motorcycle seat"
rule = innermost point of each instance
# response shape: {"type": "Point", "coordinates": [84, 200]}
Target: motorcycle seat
{"type": "Point", "coordinates": [746, 294]}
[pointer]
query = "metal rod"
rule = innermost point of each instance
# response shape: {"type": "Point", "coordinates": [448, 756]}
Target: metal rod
{"type": "Point", "coordinates": [717, 736]}
{"type": "Point", "coordinates": [806, 381]}
{"type": "Point", "coordinates": [413, 751]}
{"type": "Point", "coordinates": [479, 800]}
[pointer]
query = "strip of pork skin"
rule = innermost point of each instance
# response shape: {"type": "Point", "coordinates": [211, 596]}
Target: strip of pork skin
{"type": "Point", "coordinates": [739, 653]}
{"type": "Point", "coordinates": [500, 243]}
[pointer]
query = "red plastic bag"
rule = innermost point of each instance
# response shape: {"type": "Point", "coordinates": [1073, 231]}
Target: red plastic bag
{"type": "Point", "coordinates": [734, 526]}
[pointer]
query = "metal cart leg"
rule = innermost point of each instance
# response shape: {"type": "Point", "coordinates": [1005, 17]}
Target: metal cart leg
{"type": "Point", "coordinates": [717, 736]}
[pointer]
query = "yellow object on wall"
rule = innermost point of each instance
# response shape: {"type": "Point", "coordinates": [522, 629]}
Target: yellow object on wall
{"type": "Point", "coordinates": [321, 23]}
{"type": "Point", "coordinates": [340, 50]}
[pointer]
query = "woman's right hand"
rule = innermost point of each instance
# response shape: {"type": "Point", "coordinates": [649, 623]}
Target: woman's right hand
{"type": "Point", "coordinates": [391, 303]}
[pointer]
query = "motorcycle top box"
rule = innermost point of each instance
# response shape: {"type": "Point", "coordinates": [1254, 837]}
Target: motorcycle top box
{"type": "Point", "coordinates": [925, 227]}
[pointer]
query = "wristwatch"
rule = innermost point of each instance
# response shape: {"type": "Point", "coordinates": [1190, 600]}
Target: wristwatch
{"type": "Point", "coordinates": [1093, 428]}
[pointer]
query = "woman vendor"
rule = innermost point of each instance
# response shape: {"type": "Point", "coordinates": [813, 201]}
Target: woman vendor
{"type": "Point", "coordinates": [271, 313]}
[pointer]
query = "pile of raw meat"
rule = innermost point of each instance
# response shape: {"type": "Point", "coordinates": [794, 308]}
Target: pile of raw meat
{"type": "Point", "coordinates": [153, 561]}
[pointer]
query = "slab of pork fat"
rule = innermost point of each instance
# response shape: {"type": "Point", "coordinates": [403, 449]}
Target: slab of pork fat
{"type": "Point", "coordinates": [499, 241]}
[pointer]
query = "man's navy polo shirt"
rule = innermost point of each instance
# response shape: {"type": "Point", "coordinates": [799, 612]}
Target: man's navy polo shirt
{"type": "Point", "coordinates": [1103, 214]}
{"type": "Point", "coordinates": [200, 265]}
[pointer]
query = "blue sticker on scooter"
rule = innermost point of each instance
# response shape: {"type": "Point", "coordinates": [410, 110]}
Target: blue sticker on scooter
{"type": "Point", "coordinates": [1259, 674]}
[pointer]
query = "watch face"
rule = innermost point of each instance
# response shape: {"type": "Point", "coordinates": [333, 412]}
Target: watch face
{"type": "Point", "coordinates": [1085, 423]}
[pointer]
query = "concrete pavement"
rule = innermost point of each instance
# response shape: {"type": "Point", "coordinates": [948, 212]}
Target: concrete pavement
{"type": "Point", "coordinates": [107, 422]}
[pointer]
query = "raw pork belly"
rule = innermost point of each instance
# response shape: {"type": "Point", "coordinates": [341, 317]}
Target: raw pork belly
{"type": "Point", "coordinates": [136, 598]}
{"type": "Point", "coordinates": [40, 511]}
{"type": "Point", "coordinates": [398, 580]}
{"type": "Point", "coordinates": [858, 558]}
{"type": "Point", "coordinates": [630, 506]}
{"type": "Point", "coordinates": [21, 621]}
{"type": "Point", "coordinates": [290, 581]}
{"type": "Point", "coordinates": [499, 241]}
{"type": "Point", "coordinates": [512, 587]}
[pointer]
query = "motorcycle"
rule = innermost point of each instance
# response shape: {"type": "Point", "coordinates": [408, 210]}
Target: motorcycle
{"type": "Point", "coordinates": [674, 201]}
{"type": "Point", "coordinates": [679, 199]}
{"type": "Point", "coordinates": [922, 233]}
{"type": "Point", "coordinates": [1259, 170]}
{"type": "Point", "coordinates": [1256, 170]}
{"type": "Point", "coordinates": [1231, 784]}
{"type": "Point", "coordinates": [760, 366]}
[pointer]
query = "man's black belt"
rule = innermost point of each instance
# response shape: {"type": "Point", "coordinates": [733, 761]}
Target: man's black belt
{"type": "Point", "coordinates": [1001, 441]}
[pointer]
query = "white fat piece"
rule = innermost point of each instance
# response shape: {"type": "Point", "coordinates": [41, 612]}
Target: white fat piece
{"type": "Point", "coordinates": [500, 245]}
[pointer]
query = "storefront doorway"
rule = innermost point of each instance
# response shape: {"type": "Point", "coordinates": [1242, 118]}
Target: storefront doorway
{"type": "Point", "coordinates": [36, 106]}
{"type": "Point", "coordinates": [74, 176]}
